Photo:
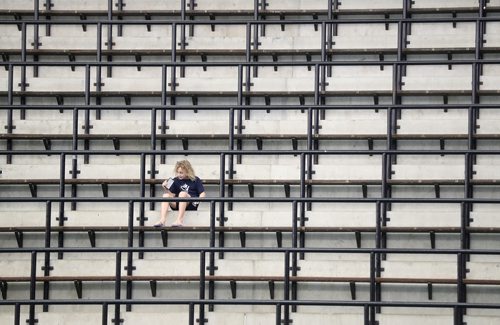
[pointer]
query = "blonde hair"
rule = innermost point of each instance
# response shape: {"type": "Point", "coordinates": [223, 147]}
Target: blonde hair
{"type": "Point", "coordinates": [186, 165]}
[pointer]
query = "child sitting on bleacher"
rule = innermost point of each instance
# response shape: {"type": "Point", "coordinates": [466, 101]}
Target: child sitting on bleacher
{"type": "Point", "coordinates": [184, 185]}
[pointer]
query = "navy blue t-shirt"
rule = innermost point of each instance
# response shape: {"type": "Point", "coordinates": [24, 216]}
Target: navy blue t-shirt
{"type": "Point", "coordinates": [193, 188]}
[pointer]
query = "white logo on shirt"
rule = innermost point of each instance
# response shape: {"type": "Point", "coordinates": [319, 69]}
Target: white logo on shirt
{"type": "Point", "coordinates": [185, 188]}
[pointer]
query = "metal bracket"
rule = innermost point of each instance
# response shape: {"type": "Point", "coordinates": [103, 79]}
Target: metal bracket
{"type": "Point", "coordinates": [287, 190]}
{"type": "Point", "coordinates": [19, 238]}
{"type": "Point", "coordinates": [33, 189]}
{"type": "Point", "coordinates": [243, 237]}
{"type": "Point", "coordinates": [84, 26]}
{"type": "Point", "coordinates": [138, 58]}
{"type": "Point", "coordinates": [116, 143]}
{"type": "Point", "coordinates": [364, 189]}
{"type": "Point", "coordinates": [104, 188]}
{"type": "Point", "coordinates": [3, 288]}
{"type": "Point", "coordinates": [352, 286]}
{"type": "Point", "coordinates": [152, 285]}
{"type": "Point", "coordinates": [148, 26]}
{"type": "Point", "coordinates": [357, 235]}
{"type": "Point", "coordinates": [251, 190]}
{"type": "Point", "coordinates": [164, 238]}
{"type": "Point", "coordinates": [437, 191]}
{"type": "Point", "coordinates": [60, 100]}
{"type": "Point", "coordinates": [429, 291]}
{"type": "Point", "coordinates": [78, 288]}
{"type": "Point", "coordinates": [185, 143]}
{"type": "Point", "coordinates": [279, 239]}
{"type": "Point", "coordinates": [432, 236]}
{"type": "Point", "coordinates": [271, 290]}
{"type": "Point", "coordinates": [127, 101]}
{"type": "Point", "coordinates": [92, 237]}
{"type": "Point", "coordinates": [259, 143]}
{"type": "Point", "coordinates": [233, 288]}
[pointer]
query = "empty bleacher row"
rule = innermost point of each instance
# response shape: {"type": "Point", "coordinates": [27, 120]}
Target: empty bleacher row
{"type": "Point", "coordinates": [349, 150]}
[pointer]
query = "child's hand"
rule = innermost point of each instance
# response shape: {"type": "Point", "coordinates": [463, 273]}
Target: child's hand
{"type": "Point", "coordinates": [167, 184]}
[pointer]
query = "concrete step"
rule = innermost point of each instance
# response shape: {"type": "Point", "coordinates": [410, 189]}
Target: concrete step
{"type": "Point", "coordinates": [356, 83]}
{"type": "Point", "coordinates": [423, 218]}
{"type": "Point", "coordinates": [428, 126]}
{"type": "Point", "coordinates": [341, 219]}
{"type": "Point", "coordinates": [434, 266]}
{"type": "Point", "coordinates": [428, 171]}
{"type": "Point", "coordinates": [386, 4]}
{"type": "Point", "coordinates": [200, 42]}
{"type": "Point", "coordinates": [354, 127]}
{"type": "Point", "coordinates": [344, 265]}
{"type": "Point", "coordinates": [301, 84]}
{"type": "Point", "coordinates": [441, 39]}
{"type": "Point", "coordinates": [484, 219]}
{"type": "Point", "coordinates": [31, 171]}
{"type": "Point", "coordinates": [421, 316]}
{"type": "Point", "coordinates": [437, 83]}
{"type": "Point", "coordinates": [381, 40]}
{"type": "Point", "coordinates": [368, 172]}
{"type": "Point", "coordinates": [488, 126]}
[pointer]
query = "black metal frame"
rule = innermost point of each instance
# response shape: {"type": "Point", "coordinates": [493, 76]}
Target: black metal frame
{"type": "Point", "coordinates": [256, 23]}
{"type": "Point", "coordinates": [297, 216]}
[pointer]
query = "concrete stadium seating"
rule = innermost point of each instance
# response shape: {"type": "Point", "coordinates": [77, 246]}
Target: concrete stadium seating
{"type": "Point", "coordinates": [362, 93]}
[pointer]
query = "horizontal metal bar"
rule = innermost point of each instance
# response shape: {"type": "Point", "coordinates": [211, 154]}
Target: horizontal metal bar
{"type": "Point", "coordinates": [254, 199]}
{"type": "Point", "coordinates": [252, 250]}
{"type": "Point", "coordinates": [254, 22]}
{"type": "Point", "coordinates": [254, 152]}
{"type": "Point", "coordinates": [251, 64]}
{"type": "Point", "coordinates": [357, 303]}
{"type": "Point", "coordinates": [253, 107]}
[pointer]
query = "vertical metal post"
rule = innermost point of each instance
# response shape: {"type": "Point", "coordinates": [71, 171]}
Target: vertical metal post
{"type": "Point", "coordinates": [98, 70]}
{"type": "Point", "coordinates": [104, 314]}
{"type": "Point", "coordinates": [211, 283]}
{"type": "Point", "coordinates": [142, 194]}
{"type": "Point", "coordinates": [173, 77]}
{"type": "Point", "coordinates": [239, 122]}
{"type": "Point", "coordinates": [278, 314]}
{"type": "Point", "coordinates": [182, 42]}
{"type": "Point", "coordinates": [62, 218]}
{"type": "Point", "coordinates": [17, 314]}
{"type": "Point", "coordinates": [202, 287]}
{"type": "Point", "coordinates": [191, 313]}
{"type": "Point", "coordinates": [46, 265]}
{"type": "Point", "coordinates": [302, 204]}
{"type": "Point", "coordinates": [10, 118]}
{"type": "Point", "coordinates": [110, 37]}
{"type": "Point", "coordinates": [86, 125]}
{"type": "Point", "coordinates": [294, 256]}
{"type": "Point", "coordinates": [99, 42]}
{"type": "Point", "coordinates": [119, 8]}
{"type": "Point", "coordinates": [461, 294]}
{"type": "Point", "coordinates": [48, 6]}
{"type": "Point", "coordinates": [366, 312]}
{"type": "Point", "coordinates": [372, 286]}
{"type": "Point", "coordinates": [130, 243]}
{"type": "Point", "coordinates": [255, 36]}
{"type": "Point", "coordinates": [222, 168]}
{"type": "Point", "coordinates": [286, 288]}
{"type": "Point", "coordinates": [152, 162]}
{"type": "Point", "coordinates": [163, 117]}
{"type": "Point", "coordinates": [31, 320]}
{"type": "Point", "coordinates": [378, 258]}
{"type": "Point", "coordinates": [74, 161]}
{"type": "Point", "coordinates": [23, 83]}
{"type": "Point", "coordinates": [118, 282]}
{"type": "Point", "coordinates": [36, 31]}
